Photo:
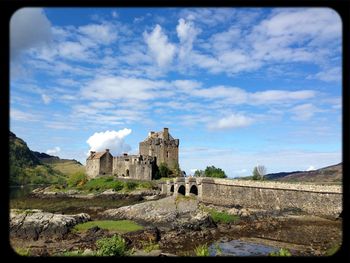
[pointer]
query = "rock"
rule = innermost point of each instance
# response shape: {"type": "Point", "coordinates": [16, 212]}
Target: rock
{"type": "Point", "coordinates": [108, 192]}
{"type": "Point", "coordinates": [233, 211]}
{"type": "Point", "coordinates": [88, 252]}
{"type": "Point", "coordinates": [244, 212]}
{"type": "Point", "coordinates": [35, 223]}
{"type": "Point", "coordinates": [151, 197]}
{"type": "Point", "coordinates": [138, 238]}
{"type": "Point", "coordinates": [142, 253]}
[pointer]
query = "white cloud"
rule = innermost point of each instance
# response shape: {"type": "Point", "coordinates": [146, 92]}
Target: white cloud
{"type": "Point", "coordinates": [122, 88]}
{"type": "Point", "coordinates": [187, 34]}
{"type": "Point", "coordinates": [114, 14]}
{"type": "Point", "coordinates": [46, 99]}
{"type": "Point", "coordinates": [102, 34]}
{"type": "Point", "coordinates": [53, 151]}
{"type": "Point", "coordinates": [113, 140]}
{"type": "Point", "coordinates": [232, 121]}
{"type": "Point", "coordinates": [305, 111]}
{"type": "Point", "coordinates": [159, 46]}
{"type": "Point", "coordinates": [280, 96]}
{"type": "Point", "coordinates": [328, 75]}
{"type": "Point", "coordinates": [311, 168]}
{"type": "Point", "coordinates": [19, 115]}
{"type": "Point", "coordinates": [29, 27]}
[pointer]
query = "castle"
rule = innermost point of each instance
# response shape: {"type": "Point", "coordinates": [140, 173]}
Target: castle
{"type": "Point", "coordinates": [158, 147]}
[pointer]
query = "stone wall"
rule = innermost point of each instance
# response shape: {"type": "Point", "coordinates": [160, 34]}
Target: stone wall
{"type": "Point", "coordinates": [92, 168]}
{"type": "Point", "coordinates": [134, 167]}
{"type": "Point", "coordinates": [106, 164]}
{"type": "Point", "coordinates": [312, 199]}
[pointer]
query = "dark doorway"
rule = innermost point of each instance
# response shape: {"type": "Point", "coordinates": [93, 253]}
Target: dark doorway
{"type": "Point", "coordinates": [172, 189]}
{"type": "Point", "coordinates": [194, 190]}
{"type": "Point", "coordinates": [182, 190]}
{"type": "Point", "coordinates": [127, 172]}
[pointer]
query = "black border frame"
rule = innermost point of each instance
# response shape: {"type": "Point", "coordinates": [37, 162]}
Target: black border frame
{"type": "Point", "coordinates": [8, 7]}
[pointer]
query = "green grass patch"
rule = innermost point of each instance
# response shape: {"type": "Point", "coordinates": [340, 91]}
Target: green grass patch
{"type": "Point", "coordinates": [202, 251]}
{"type": "Point", "coordinates": [22, 251]}
{"type": "Point", "coordinates": [222, 217]}
{"type": "Point", "coordinates": [334, 249]}
{"type": "Point", "coordinates": [121, 226]}
{"type": "Point", "coordinates": [283, 252]}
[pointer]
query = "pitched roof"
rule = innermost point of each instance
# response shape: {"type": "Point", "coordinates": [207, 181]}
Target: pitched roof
{"type": "Point", "coordinates": [96, 155]}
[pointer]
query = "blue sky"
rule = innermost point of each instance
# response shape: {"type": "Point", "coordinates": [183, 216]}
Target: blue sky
{"type": "Point", "coordinates": [238, 86]}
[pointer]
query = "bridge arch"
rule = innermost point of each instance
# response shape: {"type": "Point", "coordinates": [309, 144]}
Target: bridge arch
{"type": "Point", "coordinates": [194, 190]}
{"type": "Point", "coordinates": [182, 190]}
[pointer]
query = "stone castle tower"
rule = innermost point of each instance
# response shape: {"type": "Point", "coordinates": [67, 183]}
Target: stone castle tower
{"type": "Point", "coordinates": [158, 147]}
{"type": "Point", "coordinates": [162, 146]}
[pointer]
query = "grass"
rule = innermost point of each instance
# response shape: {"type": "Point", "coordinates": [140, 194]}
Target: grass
{"type": "Point", "coordinates": [283, 252]}
{"type": "Point", "coordinates": [22, 251]}
{"type": "Point", "coordinates": [334, 249]}
{"type": "Point", "coordinates": [222, 217]}
{"type": "Point", "coordinates": [121, 226]}
{"type": "Point", "coordinates": [149, 246]}
{"type": "Point", "coordinates": [68, 167]}
{"type": "Point", "coordinates": [202, 251]}
{"type": "Point", "coordinates": [74, 253]}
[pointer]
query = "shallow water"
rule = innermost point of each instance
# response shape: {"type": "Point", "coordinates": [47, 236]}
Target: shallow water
{"type": "Point", "coordinates": [240, 248]}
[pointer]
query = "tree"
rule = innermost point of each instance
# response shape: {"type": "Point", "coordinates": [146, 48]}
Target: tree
{"type": "Point", "coordinates": [259, 172]}
{"type": "Point", "coordinates": [199, 173]}
{"type": "Point", "coordinates": [212, 171]}
{"type": "Point", "coordinates": [164, 171]}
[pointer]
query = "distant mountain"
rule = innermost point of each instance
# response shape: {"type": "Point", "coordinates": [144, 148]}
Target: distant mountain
{"type": "Point", "coordinates": [333, 173]}
{"type": "Point", "coordinates": [30, 167]}
{"type": "Point", "coordinates": [329, 174]}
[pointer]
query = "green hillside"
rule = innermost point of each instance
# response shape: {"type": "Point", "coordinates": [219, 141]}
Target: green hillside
{"type": "Point", "coordinates": [26, 166]}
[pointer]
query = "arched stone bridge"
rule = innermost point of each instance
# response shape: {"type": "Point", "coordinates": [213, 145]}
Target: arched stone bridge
{"type": "Point", "coordinates": [312, 199]}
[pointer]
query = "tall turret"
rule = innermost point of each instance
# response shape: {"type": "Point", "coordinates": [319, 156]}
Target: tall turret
{"type": "Point", "coordinates": [163, 147]}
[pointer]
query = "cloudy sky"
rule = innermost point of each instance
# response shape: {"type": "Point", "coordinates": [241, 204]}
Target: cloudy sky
{"type": "Point", "coordinates": [238, 87]}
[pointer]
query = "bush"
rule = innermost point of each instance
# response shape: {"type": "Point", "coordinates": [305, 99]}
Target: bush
{"type": "Point", "coordinates": [78, 178]}
{"type": "Point", "coordinates": [281, 253]}
{"type": "Point", "coordinates": [212, 171]}
{"type": "Point", "coordinates": [164, 171]}
{"type": "Point", "coordinates": [130, 185]}
{"type": "Point", "coordinates": [202, 251]}
{"type": "Point", "coordinates": [111, 246]}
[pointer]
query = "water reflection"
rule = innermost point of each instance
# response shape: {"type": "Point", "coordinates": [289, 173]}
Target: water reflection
{"type": "Point", "coordinates": [240, 248]}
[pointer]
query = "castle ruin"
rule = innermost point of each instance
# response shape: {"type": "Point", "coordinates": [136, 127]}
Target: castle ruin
{"type": "Point", "coordinates": [158, 147]}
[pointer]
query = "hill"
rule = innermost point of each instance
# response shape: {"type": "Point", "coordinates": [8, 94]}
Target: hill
{"type": "Point", "coordinates": [327, 174]}
{"type": "Point", "coordinates": [30, 167]}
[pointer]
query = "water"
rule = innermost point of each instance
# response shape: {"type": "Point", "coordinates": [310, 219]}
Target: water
{"type": "Point", "coordinates": [240, 248]}
{"type": "Point", "coordinates": [22, 191]}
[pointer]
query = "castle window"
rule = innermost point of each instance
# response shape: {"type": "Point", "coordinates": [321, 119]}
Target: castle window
{"type": "Point", "coordinates": [167, 154]}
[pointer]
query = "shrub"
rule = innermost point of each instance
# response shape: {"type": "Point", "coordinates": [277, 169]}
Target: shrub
{"type": "Point", "coordinates": [164, 171]}
{"type": "Point", "coordinates": [202, 251]}
{"type": "Point", "coordinates": [212, 171]}
{"type": "Point", "coordinates": [130, 185]}
{"type": "Point", "coordinates": [111, 246]}
{"type": "Point", "coordinates": [281, 253]}
{"type": "Point", "coordinates": [78, 178]}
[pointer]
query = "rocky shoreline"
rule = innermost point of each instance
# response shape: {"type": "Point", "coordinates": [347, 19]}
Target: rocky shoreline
{"type": "Point", "coordinates": [176, 225]}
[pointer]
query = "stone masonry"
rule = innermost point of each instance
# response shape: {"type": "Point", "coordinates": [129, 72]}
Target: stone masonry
{"type": "Point", "coordinates": [158, 147]}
